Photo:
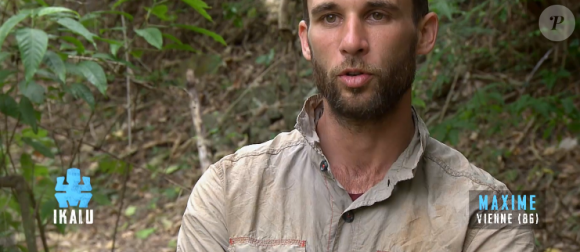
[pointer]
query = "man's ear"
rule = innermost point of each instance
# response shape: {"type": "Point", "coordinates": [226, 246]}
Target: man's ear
{"type": "Point", "coordinates": [303, 33]}
{"type": "Point", "coordinates": [427, 33]}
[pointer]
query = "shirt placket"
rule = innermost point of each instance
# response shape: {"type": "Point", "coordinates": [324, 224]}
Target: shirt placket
{"type": "Point", "coordinates": [343, 234]}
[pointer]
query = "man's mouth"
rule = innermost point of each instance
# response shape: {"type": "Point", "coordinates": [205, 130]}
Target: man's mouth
{"type": "Point", "coordinates": [354, 78]}
{"type": "Point", "coordinates": [352, 72]}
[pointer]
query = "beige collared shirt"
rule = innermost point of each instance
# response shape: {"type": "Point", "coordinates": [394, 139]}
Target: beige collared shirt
{"type": "Point", "coordinates": [280, 196]}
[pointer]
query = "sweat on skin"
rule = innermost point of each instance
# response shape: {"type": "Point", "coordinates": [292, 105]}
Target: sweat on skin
{"type": "Point", "coordinates": [359, 135]}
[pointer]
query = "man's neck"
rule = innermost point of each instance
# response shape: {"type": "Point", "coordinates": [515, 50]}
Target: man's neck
{"type": "Point", "coordinates": [360, 158]}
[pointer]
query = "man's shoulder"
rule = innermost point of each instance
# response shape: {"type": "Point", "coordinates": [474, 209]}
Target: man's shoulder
{"type": "Point", "coordinates": [254, 155]}
{"type": "Point", "coordinates": [457, 170]}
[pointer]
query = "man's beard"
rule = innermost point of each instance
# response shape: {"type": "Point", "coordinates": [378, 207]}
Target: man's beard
{"type": "Point", "coordinates": [388, 85]}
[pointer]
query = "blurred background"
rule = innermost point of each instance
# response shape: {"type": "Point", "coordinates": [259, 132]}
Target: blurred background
{"type": "Point", "coordinates": [101, 86]}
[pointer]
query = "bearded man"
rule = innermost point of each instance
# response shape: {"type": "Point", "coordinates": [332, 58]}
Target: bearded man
{"type": "Point", "coordinates": [359, 172]}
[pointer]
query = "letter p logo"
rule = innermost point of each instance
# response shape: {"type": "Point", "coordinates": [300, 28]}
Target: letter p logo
{"type": "Point", "coordinates": [557, 23]}
{"type": "Point", "coordinates": [555, 18]}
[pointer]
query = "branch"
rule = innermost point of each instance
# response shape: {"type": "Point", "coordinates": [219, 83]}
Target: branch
{"type": "Point", "coordinates": [9, 140]}
{"type": "Point", "coordinates": [19, 185]}
{"type": "Point", "coordinates": [283, 15]}
{"type": "Point", "coordinates": [544, 58]}
{"type": "Point", "coordinates": [128, 73]}
{"type": "Point", "coordinates": [58, 148]}
{"type": "Point", "coordinates": [39, 222]}
{"type": "Point", "coordinates": [195, 108]}
{"type": "Point", "coordinates": [77, 152]}
{"type": "Point", "coordinates": [449, 95]}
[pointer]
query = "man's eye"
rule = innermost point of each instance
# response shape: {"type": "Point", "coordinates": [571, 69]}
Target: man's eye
{"type": "Point", "coordinates": [377, 16]}
{"type": "Point", "coordinates": [330, 18]}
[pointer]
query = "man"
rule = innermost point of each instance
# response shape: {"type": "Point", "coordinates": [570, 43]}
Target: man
{"type": "Point", "coordinates": [359, 172]}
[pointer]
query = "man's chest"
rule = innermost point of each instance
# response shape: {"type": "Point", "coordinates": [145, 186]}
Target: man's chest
{"type": "Point", "coordinates": [311, 215]}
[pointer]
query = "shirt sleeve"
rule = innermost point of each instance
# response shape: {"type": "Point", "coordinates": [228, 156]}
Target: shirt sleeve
{"type": "Point", "coordinates": [506, 239]}
{"type": "Point", "coordinates": [203, 225]}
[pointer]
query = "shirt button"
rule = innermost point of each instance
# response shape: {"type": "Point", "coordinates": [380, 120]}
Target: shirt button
{"type": "Point", "coordinates": [348, 217]}
{"type": "Point", "coordinates": [324, 165]}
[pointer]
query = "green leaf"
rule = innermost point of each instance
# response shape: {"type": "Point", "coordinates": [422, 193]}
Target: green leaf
{"type": "Point", "coordinates": [252, 13]}
{"type": "Point", "coordinates": [419, 102]}
{"type": "Point", "coordinates": [3, 56]}
{"type": "Point", "coordinates": [173, 38]}
{"type": "Point", "coordinates": [73, 69]}
{"type": "Point", "coordinates": [453, 135]}
{"type": "Point", "coordinates": [61, 228]}
{"type": "Point", "coordinates": [266, 59]}
{"type": "Point", "coordinates": [28, 114]}
{"type": "Point", "coordinates": [143, 234]}
{"type": "Point", "coordinates": [118, 3]}
{"type": "Point", "coordinates": [443, 8]}
{"type": "Point", "coordinates": [152, 36]}
{"type": "Point", "coordinates": [78, 90]}
{"type": "Point", "coordinates": [110, 41]}
{"type": "Point", "coordinates": [130, 210]}
{"type": "Point", "coordinates": [32, 44]}
{"type": "Point", "coordinates": [51, 10]}
{"type": "Point", "coordinates": [160, 11]}
{"type": "Point", "coordinates": [27, 166]}
{"type": "Point", "coordinates": [37, 146]}
{"type": "Point", "coordinates": [4, 74]}
{"type": "Point", "coordinates": [8, 106]}
{"type": "Point", "coordinates": [56, 65]}
{"type": "Point", "coordinates": [213, 35]}
{"type": "Point", "coordinates": [77, 28]}
{"type": "Point", "coordinates": [32, 91]}
{"type": "Point", "coordinates": [101, 198]}
{"type": "Point", "coordinates": [41, 2]}
{"type": "Point", "coordinates": [172, 169]}
{"type": "Point", "coordinates": [9, 25]}
{"type": "Point", "coordinates": [47, 209]}
{"type": "Point", "coordinates": [64, 47]}
{"type": "Point", "coordinates": [114, 49]}
{"type": "Point", "coordinates": [80, 48]}
{"type": "Point", "coordinates": [94, 74]}
{"type": "Point", "coordinates": [137, 53]}
{"type": "Point", "coordinates": [40, 171]}
{"type": "Point", "coordinates": [111, 166]}
{"type": "Point", "coordinates": [568, 104]}
{"type": "Point", "coordinates": [181, 47]}
{"type": "Point", "coordinates": [114, 45]}
{"type": "Point", "coordinates": [200, 7]}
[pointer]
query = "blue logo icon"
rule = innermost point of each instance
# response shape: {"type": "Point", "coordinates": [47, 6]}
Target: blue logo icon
{"type": "Point", "coordinates": [73, 194]}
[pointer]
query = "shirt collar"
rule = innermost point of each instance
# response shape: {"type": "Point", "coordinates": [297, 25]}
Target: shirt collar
{"type": "Point", "coordinates": [405, 165]}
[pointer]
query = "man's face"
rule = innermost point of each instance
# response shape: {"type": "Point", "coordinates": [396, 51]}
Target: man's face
{"type": "Point", "coordinates": [363, 54]}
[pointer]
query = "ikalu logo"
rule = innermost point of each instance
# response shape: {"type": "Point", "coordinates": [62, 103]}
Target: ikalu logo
{"type": "Point", "coordinates": [74, 195]}
{"type": "Point", "coordinates": [557, 23]}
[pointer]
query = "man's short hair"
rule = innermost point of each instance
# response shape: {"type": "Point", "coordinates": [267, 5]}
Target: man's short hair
{"type": "Point", "coordinates": [420, 9]}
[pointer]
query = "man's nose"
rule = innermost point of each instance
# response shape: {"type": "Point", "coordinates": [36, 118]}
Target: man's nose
{"type": "Point", "coordinates": [355, 41]}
